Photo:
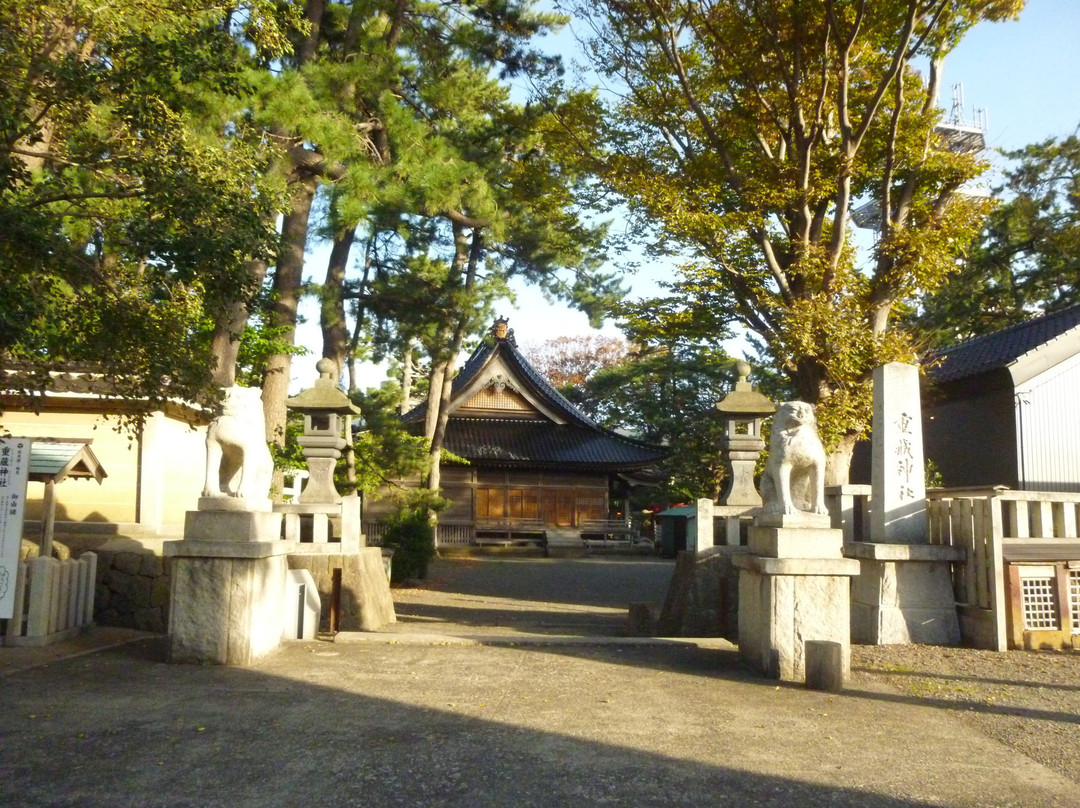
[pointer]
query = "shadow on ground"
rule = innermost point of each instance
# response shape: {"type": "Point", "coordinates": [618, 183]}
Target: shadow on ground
{"type": "Point", "coordinates": [382, 726]}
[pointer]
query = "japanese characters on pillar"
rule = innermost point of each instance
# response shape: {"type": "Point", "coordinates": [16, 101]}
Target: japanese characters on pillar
{"type": "Point", "coordinates": [14, 472]}
{"type": "Point", "coordinates": [905, 457]}
{"type": "Point", "coordinates": [898, 486]}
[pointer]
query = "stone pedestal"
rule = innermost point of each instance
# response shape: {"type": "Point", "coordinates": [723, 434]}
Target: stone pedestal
{"type": "Point", "coordinates": [228, 586]}
{"type": "Point", "coordinates": [366, 601]}
{"type": "Point", "coordinates": [792, 591]}
{"type": "Point", "coordinates": [903, 594]}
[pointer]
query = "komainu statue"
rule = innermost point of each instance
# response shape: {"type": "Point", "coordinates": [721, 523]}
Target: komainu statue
{"type": "Point", "coordinates": [794, 478]}
{"type": "Point", "coordinates": [238, 462]}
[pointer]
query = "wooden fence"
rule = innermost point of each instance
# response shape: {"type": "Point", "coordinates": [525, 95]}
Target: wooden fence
{"type": "Point", "coordinates": [54, 600]}
{"type": "Point", "coordinates": [995, 527]}
{"type": "Point", "coordinates": [452, 534]}
{"type": "Point", "coordinates": [973, 521]}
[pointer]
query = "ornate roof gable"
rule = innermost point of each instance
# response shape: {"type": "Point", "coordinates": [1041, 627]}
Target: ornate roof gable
{"type": "Point", "coordinates": [503, 412]}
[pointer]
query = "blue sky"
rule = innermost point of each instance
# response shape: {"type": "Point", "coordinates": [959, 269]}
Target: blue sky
{"type": "Point", "coordinates": [1026, 74]}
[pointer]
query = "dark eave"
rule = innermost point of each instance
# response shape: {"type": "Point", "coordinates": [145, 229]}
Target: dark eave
{"type": "Point", "coordinates": [543, 444]}
{"type": "Point", "coordinates": [527, 375]}
{"type": "Point", "coordinates": [1001, 348]}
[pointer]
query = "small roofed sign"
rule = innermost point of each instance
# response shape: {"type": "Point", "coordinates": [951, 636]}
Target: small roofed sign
{"type": "Point", "coordinates": [14, 472]}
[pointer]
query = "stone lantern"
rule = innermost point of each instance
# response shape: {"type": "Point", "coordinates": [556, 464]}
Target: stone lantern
{"type": "Point", "coordinates": [323, 406]}
{"type": "Point", "coordinates": [743, 411]}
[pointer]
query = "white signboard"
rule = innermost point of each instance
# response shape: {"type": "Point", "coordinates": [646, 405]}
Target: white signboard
{"type": "Point", "coordinates": [14, 470]}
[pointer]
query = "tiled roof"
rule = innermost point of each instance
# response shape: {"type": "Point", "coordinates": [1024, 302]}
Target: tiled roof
{"type": "Point", "coordinates": [542, 443]}
{"type": "Point", "coordinates": [1001, 348]}
{"type": "Point", "coordinates": [578, 443]}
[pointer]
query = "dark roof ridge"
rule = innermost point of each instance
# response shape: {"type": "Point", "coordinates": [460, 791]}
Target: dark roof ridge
{"type": "Point", "coordinates": [480, 357]}
{"type": "Point", "coordinates": [619, 436]}
{"type": "Point", "coordinates": [999, 348]}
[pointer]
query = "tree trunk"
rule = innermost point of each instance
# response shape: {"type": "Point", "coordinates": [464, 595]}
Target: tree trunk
{"type": "Point", "coordinates": [434, 396]}
{"type": "Point", "coordinates": [406, 380]}
{"type": "Point", "coordinates": [838, 463]}
{"type": "Point", "coordinates": [441, 395]}
{"type": "Point", "coordinates": [313, 14]}
{"type": "Point", "coordinates": [230, 328]}
{"type": "Point", "coordinates": [466, 259]}
{"type": "Point", "coordinates": [288, 275]}
{"type": "Point", "coordinates": [335, 335]}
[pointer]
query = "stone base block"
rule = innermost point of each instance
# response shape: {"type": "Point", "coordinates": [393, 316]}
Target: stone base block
{"type": "Point", "coordinates": [787, 542]}
{"type": "Point", "coordinates": [225, 611]}
{"type": "Point", "coordinates": [239, 526]}
{"type": "Point", "coordinates": [223, 502]}
{"type": "Point", "coordinates": [800, 519]}
{"type": "Point", "coordinates": [366, 602]}
{"type": "Point", "coordinates": [895, 602]}
{"type": "Point", "coordinates": [891, 625]}
{"type": "Point", "coordinates": [779, 613]}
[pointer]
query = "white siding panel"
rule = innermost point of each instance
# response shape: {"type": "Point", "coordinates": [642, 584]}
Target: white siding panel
{"type": "Point", "coordinates": [1048, 429]}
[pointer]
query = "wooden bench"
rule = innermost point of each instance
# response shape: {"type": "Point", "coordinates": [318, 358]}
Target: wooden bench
{"type": "Point", "coordinates": [509, 532]}
{"type": "Point", "coordinates": [606, 531]}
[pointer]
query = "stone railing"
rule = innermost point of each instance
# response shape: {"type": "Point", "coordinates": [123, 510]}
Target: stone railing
{"type": "Point", "coordinates": [311, 525]}
{"type": "Point", "coordinates": [54, 600]}
{"type": "Point", "coordinates": [849, 510]}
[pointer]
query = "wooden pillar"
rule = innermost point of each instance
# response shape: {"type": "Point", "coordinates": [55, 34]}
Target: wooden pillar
{"type": "Point", "coordinates": [48, 519]}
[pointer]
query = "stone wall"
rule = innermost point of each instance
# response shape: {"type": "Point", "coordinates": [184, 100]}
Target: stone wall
{"type": "Point", "coordinates": [132, 590]}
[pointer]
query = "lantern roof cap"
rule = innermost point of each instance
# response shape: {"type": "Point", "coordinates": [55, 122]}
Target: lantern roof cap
{"type": "Point", "coordinates": [325, 395]}
{"type": "Point", "coordinates": [744, 400]}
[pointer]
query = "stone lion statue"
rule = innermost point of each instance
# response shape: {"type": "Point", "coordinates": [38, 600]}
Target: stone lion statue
{"type": "Point", "coordinates": [238, 462]}
{"type": "Point", "coordinates": [794, 478]}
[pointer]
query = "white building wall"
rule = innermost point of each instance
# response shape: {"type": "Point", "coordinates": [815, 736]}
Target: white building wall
{"type": "Point", "coordinates": [1048, 429]}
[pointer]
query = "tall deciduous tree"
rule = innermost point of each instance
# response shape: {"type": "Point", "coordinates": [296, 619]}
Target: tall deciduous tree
{"type": "Point", "coordinates": [1028, 259]}
{"type": "Point", "coordinates": [127, 211]}
{"type": "Point", "coordinates": [746, 132]}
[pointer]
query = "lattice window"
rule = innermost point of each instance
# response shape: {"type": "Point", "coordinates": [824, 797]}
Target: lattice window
{"type": "Point", "coordinates": [1074, 599]}
{"type": "Point", "coordinates": [1040, 604]}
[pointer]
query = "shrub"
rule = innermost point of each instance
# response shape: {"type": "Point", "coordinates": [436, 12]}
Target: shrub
{"type": "Point", "coordinates": [411, 536]}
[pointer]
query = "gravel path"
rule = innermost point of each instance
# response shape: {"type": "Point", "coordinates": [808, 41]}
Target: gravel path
{"type": "Point", "coordinates": [1029, 700]}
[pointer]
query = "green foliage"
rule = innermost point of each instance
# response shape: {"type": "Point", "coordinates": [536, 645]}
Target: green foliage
{"type": "Point", "coordinates": [385, 451]}
{"type": "Point", "coordinates": [127, 208]}
{"type": "Point", "coordinates": [742, 137]}
{"type": "Point", "coordinates": [664, 391]}
{"type": "Point", "coordinates": [1028, 258]}
{"type": "Point", "coordinates": [411, 535]}
{"type": "Point", "coordinates": [260, 341]}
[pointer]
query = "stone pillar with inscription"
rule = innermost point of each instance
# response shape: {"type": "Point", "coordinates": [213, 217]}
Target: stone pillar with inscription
{"type": "Point", "coordinates": [903, 593]}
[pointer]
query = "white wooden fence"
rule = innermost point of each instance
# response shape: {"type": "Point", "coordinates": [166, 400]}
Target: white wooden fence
{"type": "Point", "coordinates": [54, 600]}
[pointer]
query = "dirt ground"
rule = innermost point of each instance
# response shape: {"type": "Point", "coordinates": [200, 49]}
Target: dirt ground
{"type": "Point", "coordinates": [1029, 700]}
